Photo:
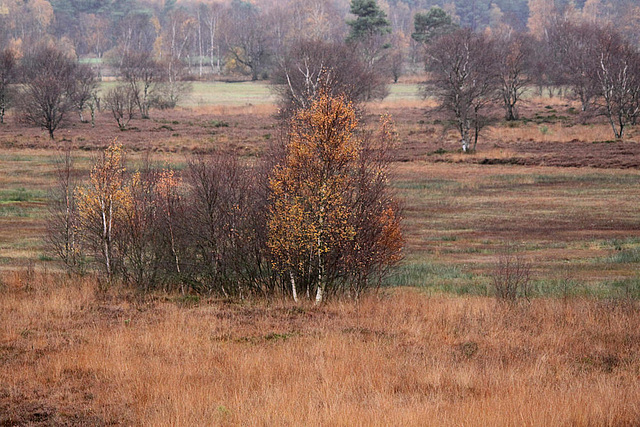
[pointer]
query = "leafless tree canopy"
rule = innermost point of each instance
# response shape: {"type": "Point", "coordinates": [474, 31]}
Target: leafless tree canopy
{"type": "Point", "coordinates": [85, 88]}
{"type": "Point", "coordinates": [464, 77]}
{"type": "Point", "coordinates": [617, 78]}
{"type": "Point", "coordinates": [310, 65]}
{"type": "Point", "coordinates": [121, 101]}
{"type": "Point", "coordinates": [573, 49]}
{"type": "Point", "coordinates": [48, 94]}
{"type": "Point", "coordinates": [142, 73]}
{"type": "Point", "coordinates": [513, 52]}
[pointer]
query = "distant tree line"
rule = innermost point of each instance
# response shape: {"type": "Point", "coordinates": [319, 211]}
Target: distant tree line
{"type": "Point", "coordinates": [48, 86]}
{"type": "Point", "coordinates": [566, 45]}
{"type": "Point", "coordinates": [250, 37]}
{"type": "Point", "coordinates": [472, 72]}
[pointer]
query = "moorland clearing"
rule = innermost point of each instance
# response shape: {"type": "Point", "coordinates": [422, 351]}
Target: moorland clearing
{"type": "Point", "coordinates": [434, 345]}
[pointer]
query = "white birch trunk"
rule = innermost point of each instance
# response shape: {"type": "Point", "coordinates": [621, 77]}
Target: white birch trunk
{"type": "Point", "coordinates": [293, 287]}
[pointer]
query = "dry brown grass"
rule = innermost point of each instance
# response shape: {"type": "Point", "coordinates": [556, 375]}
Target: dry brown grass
{"type": "Point", "coordinates": [69, 355]}
{"type": "Point", "coordinates": [396, 106]}
{"type": "Point", "coordinates": [550, 133]}
{"type": "Point", "coordinates": [235, 110]}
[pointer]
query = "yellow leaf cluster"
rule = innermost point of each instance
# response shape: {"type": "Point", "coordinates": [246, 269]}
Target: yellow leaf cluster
{"type": "Point", "coordinates": [106, 197]}
{"type": "Point", "coordinates": [309, 212]}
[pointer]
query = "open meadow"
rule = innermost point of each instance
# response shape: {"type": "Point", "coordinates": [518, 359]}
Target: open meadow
{"type": "Point", "coordinates": [433, 346]}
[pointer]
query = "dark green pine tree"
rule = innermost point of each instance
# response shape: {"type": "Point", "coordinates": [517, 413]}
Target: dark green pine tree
{"type": "Point", "coordinates": [432, 24]}
{"type": "Point", "coordinates": [370, 21]}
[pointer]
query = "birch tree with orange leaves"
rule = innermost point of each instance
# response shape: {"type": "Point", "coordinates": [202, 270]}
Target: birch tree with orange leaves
{"type": "Point", "coordinates": [103, 202]}
{"type": "Point", "coordinates": [317, 234]}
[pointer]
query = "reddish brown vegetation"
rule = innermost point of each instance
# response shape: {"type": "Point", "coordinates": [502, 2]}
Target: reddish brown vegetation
{"type": "Point", "coordinates": [71, 356]}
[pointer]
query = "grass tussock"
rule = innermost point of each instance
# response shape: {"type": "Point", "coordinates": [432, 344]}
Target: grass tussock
{"type": "Point", "coordinates": [71, 355]}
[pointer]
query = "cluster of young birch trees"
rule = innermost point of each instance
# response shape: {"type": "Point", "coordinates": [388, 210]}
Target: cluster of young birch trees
{"type": "Point", "coordinates": [314, 219]}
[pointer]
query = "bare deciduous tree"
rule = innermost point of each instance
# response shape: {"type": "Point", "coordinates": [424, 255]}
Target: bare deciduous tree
{"type": "Point", "coordinates": [464, 78]}
{"type": "Point", "coordinates": [574, 57]}
{"type": "Point", "coordinates": [247, 37]}
{"type": "Point", "coordinates": [85, 89]}
{"type": "Point", "coordinates": [121, 101]}
{"type": "Point", "coordinates": [224, 250]}
{"type": "Point", "coordinates": [311, 65]}
{"type": "Point", "coordinates": [512, 275]}
{"type": "Point", "coordinates": [617, 75]}
{"type": "Point", "coordinates": [513, 52]}
{"type": "Point", "coordinates": [8, 69]}
{"type": "Point", "coordinates": [48, 94]}
{"type": "Point", "coordinates": [171, 87]}
{"type": "Point", "coordinates": [62, 223]}
{"type": "Point", "coordinates": [141, 72]}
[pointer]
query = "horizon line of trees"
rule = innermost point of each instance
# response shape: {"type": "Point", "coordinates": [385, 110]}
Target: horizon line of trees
{"type": "Point", "coordinates": [238, 36]}
{"type": "Point", "coordinates": [470, 72]}
{"type": "Point", "coordinates": [473, 73]}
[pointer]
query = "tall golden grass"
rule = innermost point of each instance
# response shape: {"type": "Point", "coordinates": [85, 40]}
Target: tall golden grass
{"type": "Point", "coordinates": [71, 355]}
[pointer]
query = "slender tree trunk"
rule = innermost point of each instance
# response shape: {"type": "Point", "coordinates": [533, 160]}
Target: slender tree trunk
{"type": "Point", "coordinates": [293, 286]}
{"type": "Point", "coordinates": [200, 51]}
{"type": "Point", "coordinates": [105, 239]}
{"type": "Point", "coordinates": [465, 137]}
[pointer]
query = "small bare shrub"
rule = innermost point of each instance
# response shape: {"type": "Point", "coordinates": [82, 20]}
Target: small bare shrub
{"type": "Point", "coordinates": [121, 101]}
{"type": "Point", "coordinates": [512, 275]}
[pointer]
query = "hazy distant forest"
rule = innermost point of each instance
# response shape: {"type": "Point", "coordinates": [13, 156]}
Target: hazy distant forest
{"type": "Point", "coordinates": [218, 37]}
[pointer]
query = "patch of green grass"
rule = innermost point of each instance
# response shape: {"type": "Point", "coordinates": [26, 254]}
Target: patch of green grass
{"type": "Point", "coordinates": [627, 256]}
{"type": "Point", "coordinates": [273, 336]}
{"type": "Point", "coordinates": [8, 210]}
{"type": "Point", "coordinates": [438, 278]}
{"type": "Point", "coordinates": [236, 93]}
{"type": "Point", "coordinates": [404, 91]}
{"type": "Point", "coordinates": [218, 124]}
{"type": "Point", "coordinates": [546, 287]}
{"type": "Point", "coordinates": [439, 151]}
{"type": "Point", "coordinates": [620, 244]}
{"type": "Point", "coordinates": [187, 300]}
{"type": "Point", "coordinates": [432, 184]}
{"type": "Point", "coordinates": [593, 179]}
{"type": "Point", "coordinates": [17, 158]}
{"type": "Point", "coordinates": [628, 288]}
{"type": "Point", "coordinates": [21, 195]}
{"type": "Point", "coordinates": [92, 61]}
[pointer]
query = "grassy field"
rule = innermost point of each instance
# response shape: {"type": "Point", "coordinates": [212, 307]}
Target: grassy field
{"type": "Point", "coordinates": [69, 355]}
{"type": "Point", "coordinates": [433, 345]}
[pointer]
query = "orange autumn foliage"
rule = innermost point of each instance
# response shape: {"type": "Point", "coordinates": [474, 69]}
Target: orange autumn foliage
{"type": "Point", "coordinates": [332, 224]}
{"type": "Point", "coordinates": [102, 203]}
